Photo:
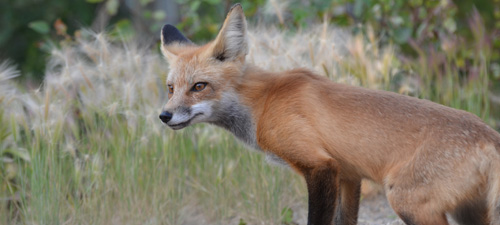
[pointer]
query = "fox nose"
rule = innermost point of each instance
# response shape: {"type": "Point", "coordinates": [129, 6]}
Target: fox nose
{"type": "Point", "coordinates": [165, 116]}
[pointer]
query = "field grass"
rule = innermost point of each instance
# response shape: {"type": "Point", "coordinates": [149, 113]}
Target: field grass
{"type": "Point", "coordinates": [87, 147]}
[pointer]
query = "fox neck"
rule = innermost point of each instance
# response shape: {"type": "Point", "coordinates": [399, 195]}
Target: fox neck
{"type": "Point", "coordinates": [239, 109]}
{"type": "Point", "coordinates": [238, 113]}
{"type": "Point", "coordinates": [236, 118]}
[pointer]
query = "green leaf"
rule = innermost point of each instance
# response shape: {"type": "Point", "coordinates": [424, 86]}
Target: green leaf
{"type": "Point", "coordinates": [147, 14]}
{"type": "Point", "coordinates": [39, 26]}
{"type": "Point", "coordinates": [123, 30]}
{"type": "Point", "coordinates": [94, 1]}
{"type": "Point", "coordinates": [358, 8]}
{"type": "Point", "coordinates": [450, 25]}
{"type": "Point", "coordinates": [402, 35]}
{"type": "Point", "coordinates": [194, 5]}
{"type": "Point", "coordinates": [159, 15]}
{"type": "Point", "coordinates": [287, 215]}
{"type": "Point", "coordinates": [242, 222]}
{"type": "Point", "coordinates": [397, 20]}
{"type": "Point", "coordinates": [299, 16]}
{"type": "Point", "coordinates": [112, 6]}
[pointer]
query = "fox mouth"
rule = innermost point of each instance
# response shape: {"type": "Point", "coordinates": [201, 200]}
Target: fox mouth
{"type": "Point", "coordinates": [179, 126]}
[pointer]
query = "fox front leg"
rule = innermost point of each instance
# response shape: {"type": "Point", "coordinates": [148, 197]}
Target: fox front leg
{"type": "Point", "coordinates": [348, 203]}
{"type": "Point", "coordinates": [322, 186]}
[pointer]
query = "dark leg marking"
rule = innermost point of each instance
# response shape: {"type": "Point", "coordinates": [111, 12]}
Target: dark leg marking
{"type": "Point", "coordinates": [348, 207]}
{"type": "Point", "coordinates": [322, 187]}
{"type": "Point", "coordinates": [407, 218]}
{"type": "Point", "coordinates": [472, 213]}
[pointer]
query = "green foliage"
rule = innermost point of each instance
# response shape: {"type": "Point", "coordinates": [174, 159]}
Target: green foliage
{"type": "Point", "coordinates": [122, 30]}
{"type": "Point", "coordinates": [39, 26]}
{"type": "Point", "coordinates": [287, 215]}
{"type": "Point", "coordinates": [27, 24]}
{"type": "Point", "coordinates": [242, 222]}
{"type": "Point", "coordinates": [12, 159]}
{"type": "Point", "coordinates": [417, 22]}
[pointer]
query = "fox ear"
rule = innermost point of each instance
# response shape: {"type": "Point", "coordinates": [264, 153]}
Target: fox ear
{"type": "Point", "coordinates": [172, 41]}
{"type": "Point", "coordinates": [231, 42]}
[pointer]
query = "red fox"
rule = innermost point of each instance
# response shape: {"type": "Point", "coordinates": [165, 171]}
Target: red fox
{"type": "Point", "coordinates": [432, 160]}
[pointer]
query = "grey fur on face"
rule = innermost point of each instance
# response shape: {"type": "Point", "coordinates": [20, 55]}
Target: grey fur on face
{"type": "Point", "coordinates": [237, 119]}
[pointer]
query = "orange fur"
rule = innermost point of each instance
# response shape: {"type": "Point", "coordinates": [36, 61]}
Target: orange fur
{"type": "Point", "coordinates": [431, 159]}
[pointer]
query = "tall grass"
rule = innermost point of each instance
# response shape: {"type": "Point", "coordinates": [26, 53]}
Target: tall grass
{"type": "Point", "coordinates": [87, 147]}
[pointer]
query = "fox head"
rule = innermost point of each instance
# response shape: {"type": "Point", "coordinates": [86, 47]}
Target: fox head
{"type": "Point", "coordinates": [202, 78]}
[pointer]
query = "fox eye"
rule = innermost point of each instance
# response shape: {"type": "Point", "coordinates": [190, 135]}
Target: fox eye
{"type": "Point", "coordinates": [199, 86]}
{"type": "Point", "coordinates": [170, 89]}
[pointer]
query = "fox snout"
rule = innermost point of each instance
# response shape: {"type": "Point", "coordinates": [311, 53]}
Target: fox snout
{"type": "Point", "coordinates": [177, 119]}
{"type": "Point", "coordinates": [165, 116]}
{"type": "Point", "coordinates": [181, 117]}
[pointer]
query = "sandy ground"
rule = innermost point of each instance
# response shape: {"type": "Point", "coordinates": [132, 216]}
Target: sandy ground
{"type": "Point", "coordinates": [374, 210]}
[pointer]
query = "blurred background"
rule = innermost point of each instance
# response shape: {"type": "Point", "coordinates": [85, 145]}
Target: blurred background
{"type": "Point", "coordinates": [31, 27]}
{"type": "Point", "coordinates": [82, 83]}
